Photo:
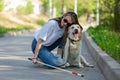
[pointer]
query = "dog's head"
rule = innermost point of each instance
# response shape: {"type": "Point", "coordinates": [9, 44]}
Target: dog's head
{"type": "Point", "coordinates": [75, 32]}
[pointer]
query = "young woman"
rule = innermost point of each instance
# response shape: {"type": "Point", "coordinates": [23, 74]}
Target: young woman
{"type": "Point", "coordinates": [50, 37]}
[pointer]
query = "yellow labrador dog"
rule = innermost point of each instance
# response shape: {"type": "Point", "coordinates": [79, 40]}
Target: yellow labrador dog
{"type": "Point", "coordinates": [72, 56]}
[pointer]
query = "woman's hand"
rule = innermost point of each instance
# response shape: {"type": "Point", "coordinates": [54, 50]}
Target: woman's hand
{"type": "Point", "coordinates": [34, 60]}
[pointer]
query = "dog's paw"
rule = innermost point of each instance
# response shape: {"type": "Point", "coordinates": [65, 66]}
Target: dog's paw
{"type": "Point", "coordinates": [90, 65]}
{"type": "Point", "coordinates": [80, 65]}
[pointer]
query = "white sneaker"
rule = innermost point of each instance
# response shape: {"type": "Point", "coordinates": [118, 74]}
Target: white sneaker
{"type": "Point", "coordinates": [65, 65]}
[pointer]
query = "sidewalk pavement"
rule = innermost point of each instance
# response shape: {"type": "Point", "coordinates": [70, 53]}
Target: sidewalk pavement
{"type": "Point", "coordinates": [14, 51]}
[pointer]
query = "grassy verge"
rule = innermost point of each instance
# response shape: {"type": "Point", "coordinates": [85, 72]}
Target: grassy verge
{"type": "Point", "coordinates": [108, 40]}
{"type": "Point", "coordinates": [18, 28]}
{"type": "Point", "coordinates": [11, 22]}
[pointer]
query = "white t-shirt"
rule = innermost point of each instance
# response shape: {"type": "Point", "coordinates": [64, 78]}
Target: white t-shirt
{"type": "Point", "coordinates": [49, 33]}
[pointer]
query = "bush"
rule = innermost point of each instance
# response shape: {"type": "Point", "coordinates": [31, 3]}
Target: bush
{"type": "Point", "coordinates": [3, 30]}
{"type": "Point", "coordinates": [41, 22]}
{"type": "Point", "coordinates": [108, 40]}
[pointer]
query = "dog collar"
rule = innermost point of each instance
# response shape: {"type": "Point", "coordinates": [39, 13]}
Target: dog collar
{"type": "Point", "coordinates": [72, 40]}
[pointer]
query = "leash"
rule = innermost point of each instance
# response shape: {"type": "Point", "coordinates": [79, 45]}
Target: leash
{"type": "Point", "coordinates": [64, 70]}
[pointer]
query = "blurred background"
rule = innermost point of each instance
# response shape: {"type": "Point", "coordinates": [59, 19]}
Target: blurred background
{"type": "Point", "coordinates": [35, 13]}
{"type": "Point", "coordinates": [92, 12]}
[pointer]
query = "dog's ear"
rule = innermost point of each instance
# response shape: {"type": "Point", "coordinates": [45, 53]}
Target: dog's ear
{"type": "Point", "coordinates": [80, 35]}
{"type": "Point", "coordinates": [81, 27]}
{"type": "Point", "coordinates": [69, 29]}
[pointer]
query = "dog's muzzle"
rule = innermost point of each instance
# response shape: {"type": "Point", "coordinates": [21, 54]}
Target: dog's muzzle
{"type": "Point", "coordinates": [76, 31]}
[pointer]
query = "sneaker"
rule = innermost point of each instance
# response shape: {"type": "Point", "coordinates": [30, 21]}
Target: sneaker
{"type": "Point", "coordinates": [65, 65]}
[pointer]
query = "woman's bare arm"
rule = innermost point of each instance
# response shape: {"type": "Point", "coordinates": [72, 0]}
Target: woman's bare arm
{"type": "Point", "coordinates": [38, 46]}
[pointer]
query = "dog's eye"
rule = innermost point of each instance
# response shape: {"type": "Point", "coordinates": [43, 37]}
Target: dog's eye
{"type": "Point", "coordinates": [78, 27]}
{"type": "Point", "coordinates": [72, 27]}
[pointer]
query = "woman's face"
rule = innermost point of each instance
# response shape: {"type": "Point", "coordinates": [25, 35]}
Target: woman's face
{"type": "Point", "coordinates": [66, 21]}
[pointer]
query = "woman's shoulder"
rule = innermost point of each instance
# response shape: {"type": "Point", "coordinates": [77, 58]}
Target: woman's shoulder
{"type": "Point", "coordinates": [52, 21]}
{"type": "Point", "coordinates": [50, 24]}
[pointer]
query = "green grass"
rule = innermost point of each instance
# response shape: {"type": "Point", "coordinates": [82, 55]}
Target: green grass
{"type": "Point", "coordinates": [108, 40]}
{"type": "Point", "coordinates": [40, 22]}
{"type": "Point", "coordinates": [18, 28]}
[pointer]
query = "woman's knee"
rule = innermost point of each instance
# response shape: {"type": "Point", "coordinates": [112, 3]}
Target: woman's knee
{"type": "Point", "coordinates": [48, 58]}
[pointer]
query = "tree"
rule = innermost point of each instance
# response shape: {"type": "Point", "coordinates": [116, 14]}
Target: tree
{"type": "Point", "coordinates": [28, 9]}
{"type": "Point", "coordinates": [45, 4]}
{"type": "Point", "coordinates": [84, 6]}
{"type": "Point", "coordinates": [1, 5]}
{"type": "Point", "coordinates": [117, 16]}
{"type": "Point", "coordinates": [106, 12]}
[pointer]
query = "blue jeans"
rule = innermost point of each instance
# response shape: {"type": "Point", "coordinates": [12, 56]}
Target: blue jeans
{"type": "Point", "coordinates": [45, 52]}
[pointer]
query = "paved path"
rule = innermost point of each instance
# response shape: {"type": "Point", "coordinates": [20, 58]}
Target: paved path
{"type": "Point", "coordinates": [14, 65]}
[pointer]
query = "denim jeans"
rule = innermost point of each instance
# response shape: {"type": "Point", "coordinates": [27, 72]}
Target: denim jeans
{"type": "Point", "coordinates": [45, 52]}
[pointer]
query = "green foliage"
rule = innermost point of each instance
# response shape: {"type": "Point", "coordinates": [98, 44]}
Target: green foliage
{"type": "Point", "coordinates": [1, 5]}
{"type": "Point", "coordinates": [106, 12]}
{"type": "Point", "coordinates": [107, 19]}
{"type": "Point", "coordinates": [18, 28]}
{"type": "Point", "coordinates": [28, 9]}
{"type": "Point", "coordinates": [45, 3]}
{"type": "Point", "coordinates": [117, 16]}
{"type": "Point", "coordinates": [41, 22]}
{"type": "Point", "coordinates": [3, 30]}
{"type": "Point", "coordinates": [86, 7]}
{"type": "Point", "coordinates": [108, 40]}
{"type": "Point", "coordinates": [69, 4]}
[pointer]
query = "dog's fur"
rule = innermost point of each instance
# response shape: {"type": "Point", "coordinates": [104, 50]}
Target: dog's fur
{"type": "Point", "coordinates": [72, 56]}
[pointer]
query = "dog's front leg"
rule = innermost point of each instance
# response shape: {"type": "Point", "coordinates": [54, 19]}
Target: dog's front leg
{"type": "Point", "coordinates": [80, 62]}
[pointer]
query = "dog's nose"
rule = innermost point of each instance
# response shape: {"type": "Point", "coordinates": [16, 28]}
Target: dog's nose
{"type": "Point", "coordinates": [76, 30]}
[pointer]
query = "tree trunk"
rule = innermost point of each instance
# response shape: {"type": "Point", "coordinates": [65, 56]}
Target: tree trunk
{"type": "Point", "coordinates": [117, 16]}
